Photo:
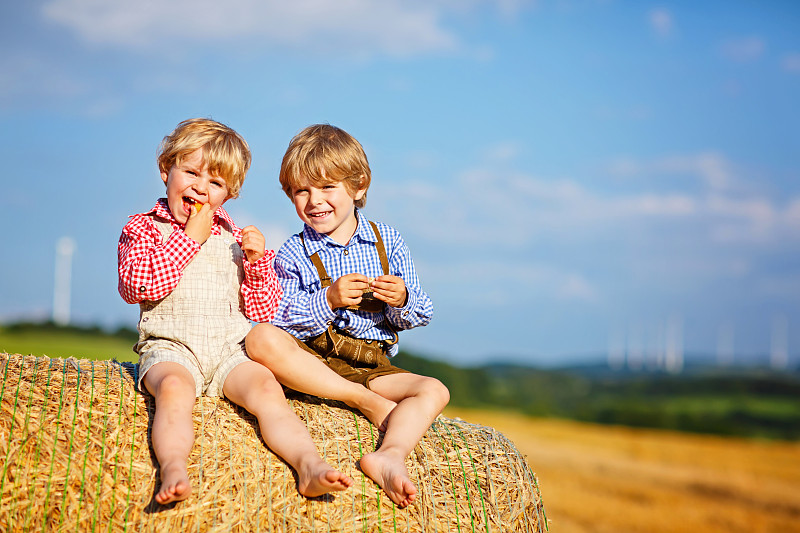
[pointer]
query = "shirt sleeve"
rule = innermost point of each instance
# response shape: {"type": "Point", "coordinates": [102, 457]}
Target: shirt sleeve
{"type": "Point", "coordinates": [418, 309]}
{"type": "Point", "coordinates": [149, 269]}
{"type": "Point", "coordinates": [301, 312]}
{"type": "Point", "coordinates": [261, 290]}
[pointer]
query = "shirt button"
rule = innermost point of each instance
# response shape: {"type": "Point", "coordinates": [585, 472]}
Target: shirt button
{"type": "Point", "coordinates": [405, 313]}
{"type": "Point", "coordinates": [142, 288]}
{"type": "Point", "coordinates": [345, 251]}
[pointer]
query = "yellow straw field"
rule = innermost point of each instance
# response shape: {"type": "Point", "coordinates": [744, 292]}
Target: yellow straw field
{"type": "Point", "coordinates": [612, 479]}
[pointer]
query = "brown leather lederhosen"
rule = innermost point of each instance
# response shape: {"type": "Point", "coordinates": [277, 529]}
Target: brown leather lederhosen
{"type": "Point", "coordinates": [359, 360]}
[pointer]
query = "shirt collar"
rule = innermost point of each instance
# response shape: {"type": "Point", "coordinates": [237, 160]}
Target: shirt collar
{"type": "Point", "coordinates": [315, 241]}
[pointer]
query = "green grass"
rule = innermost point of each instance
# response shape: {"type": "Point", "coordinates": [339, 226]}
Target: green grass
{"type": "Point", "coordinates": [67, 342]}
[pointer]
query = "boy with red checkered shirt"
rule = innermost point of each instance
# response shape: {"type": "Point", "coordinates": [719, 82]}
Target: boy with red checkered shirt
{"type": "Point", "coordinates": [197, 278]}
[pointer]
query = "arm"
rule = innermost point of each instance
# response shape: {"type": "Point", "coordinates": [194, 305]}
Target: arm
{"type": "Point", "coordinates": [301, 312]}
{"type": "Point", "coordinates": [260, 289]}
{"type": "Point", "coordinates": [417, 309]}
{"type": "Point", "coordinates": [148, 268]}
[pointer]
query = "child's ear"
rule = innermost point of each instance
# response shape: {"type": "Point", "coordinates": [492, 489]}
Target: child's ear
{"type": "Point", "coordinates": [360, 192]}
{"type": "Point", "coordinates": [164, 177]}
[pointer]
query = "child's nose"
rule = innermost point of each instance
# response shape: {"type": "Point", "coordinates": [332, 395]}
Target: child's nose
{"type": "Point", "coordinates": [200, 186]}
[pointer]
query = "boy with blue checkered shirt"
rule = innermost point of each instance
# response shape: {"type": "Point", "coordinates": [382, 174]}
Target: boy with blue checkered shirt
{"type": "Point", "coordinates": [348, 286]}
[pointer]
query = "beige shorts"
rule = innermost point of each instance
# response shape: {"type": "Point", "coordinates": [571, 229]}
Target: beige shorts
{"type": "Point", "coordinates": [209, 374]}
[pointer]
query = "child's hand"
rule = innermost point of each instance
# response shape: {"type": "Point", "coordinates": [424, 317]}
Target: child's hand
{"type": "Point", "coordinates": [390, 289]}
{"type": "Point", "coordinates": [347, 290]}
{"type": "Point", "coordinates": [253, 243]}
{"type": "Point", "coordinates": [198, 227]}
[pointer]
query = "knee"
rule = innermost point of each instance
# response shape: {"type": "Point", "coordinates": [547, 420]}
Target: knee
{"type": "Point", "coordinates": [266, 388]}
{"type": "Point", "coordinates": [437, 391]}
{"type": "Point", "coordinates": [173, 388]}
{"type": "Point", "coordinates": [262, 343]}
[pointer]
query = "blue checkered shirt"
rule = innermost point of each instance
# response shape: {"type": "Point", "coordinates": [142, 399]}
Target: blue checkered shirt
{"type": "Point", "coordinates": [304, 310]}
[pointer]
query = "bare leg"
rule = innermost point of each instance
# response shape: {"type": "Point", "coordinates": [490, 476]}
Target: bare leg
{"type": "Point", "coordinates": [255, 388]}
{"type": "Point", "coordinates": [420, 400]}
{"type": "Point", "coordinates": [304, 372]}
{"type": "Point", "coordinates": [173, 433]}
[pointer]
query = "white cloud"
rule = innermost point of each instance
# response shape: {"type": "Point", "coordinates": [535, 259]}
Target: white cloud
{"type": "Point", "coordinates": [503, 152]}
{"type": "Point", "coordinates": [661, 21]}
{"type": "Point", "coordinates": [28, 75]}
{"type": "Point", "coordinates": [744, 50]}
{"type": "Point", "coordinates": [782, 286]}
{"type": "Point", "coordinates": [792, 213]}
{"type": "Point", "coordinates": [710, 205]}
{"type": "Point", "coordinates": [791, 63]}
{"type": "Point", "coordinates": [510, 282]}
{"type": "Point", "coordinates": [30, 79]}
{"type": "Point", "coordinates": [635, 112]}
{"type": "Point", "coordinates": [713, 169]}
{"type": "Point", "coordinates": [390, 27]}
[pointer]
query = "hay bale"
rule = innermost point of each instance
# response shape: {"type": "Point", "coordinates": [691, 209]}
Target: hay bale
{"type": "Point", "coordinates": [74, 439]}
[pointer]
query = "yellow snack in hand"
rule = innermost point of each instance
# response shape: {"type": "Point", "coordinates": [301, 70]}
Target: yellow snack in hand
{"type": "Point", "coordinates": [369, 286]}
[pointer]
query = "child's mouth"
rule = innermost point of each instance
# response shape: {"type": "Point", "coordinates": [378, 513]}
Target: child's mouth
{"type": "Point", "coordinates": [190, 204]}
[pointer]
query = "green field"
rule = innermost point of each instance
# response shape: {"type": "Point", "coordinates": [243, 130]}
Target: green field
{"type": "Point", "coordinates": [81, 343]}
{"type": "Point", "coordinates": [755, 403]}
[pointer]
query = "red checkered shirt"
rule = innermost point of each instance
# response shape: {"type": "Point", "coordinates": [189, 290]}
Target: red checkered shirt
{"type": "Point", "coordinates": [150, 266]}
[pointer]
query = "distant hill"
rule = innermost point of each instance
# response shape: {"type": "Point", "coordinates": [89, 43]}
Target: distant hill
{"type": "Point", "coordinates": [749, 402]}
{"type": "Point", "coordinates": [742, 401]}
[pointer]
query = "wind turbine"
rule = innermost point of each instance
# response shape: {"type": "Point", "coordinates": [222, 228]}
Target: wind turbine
{"type": "Point", "coordinates": [61, 292]}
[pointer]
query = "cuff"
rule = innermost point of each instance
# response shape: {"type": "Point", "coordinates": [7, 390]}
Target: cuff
{"type": "Point", "coordinates": [320, 310]}
{"type": "Point", "coordinates": [257, 273]}
{"type": "Point", "coordinates": [400, 314]}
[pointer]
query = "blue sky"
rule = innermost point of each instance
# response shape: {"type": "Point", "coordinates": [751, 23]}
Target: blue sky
{"type": "Point", "coordinates": [572, 177]}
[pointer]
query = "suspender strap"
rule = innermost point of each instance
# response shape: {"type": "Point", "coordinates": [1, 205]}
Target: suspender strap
{"type": "Point", "coordinates": [343, 343]}
{"type": "Point", "coordinates": [325, 279]}
{"type": "Point", "coordinates": [381, 249]}
{"type": "Point", "coordinates": [323, 275]}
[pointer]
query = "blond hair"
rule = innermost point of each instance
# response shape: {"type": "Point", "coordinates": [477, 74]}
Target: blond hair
{"type": "Point", "coordinates": [322, 154]}
{"type": "Point", "coordinates": [224, 151]}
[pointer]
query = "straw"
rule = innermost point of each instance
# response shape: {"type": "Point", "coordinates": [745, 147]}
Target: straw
{"type": "Point", "coordinates": [75, 441]}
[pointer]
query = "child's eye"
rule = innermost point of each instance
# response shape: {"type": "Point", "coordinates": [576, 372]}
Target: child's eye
{"type": "Point", "coordinates": [218, 183]}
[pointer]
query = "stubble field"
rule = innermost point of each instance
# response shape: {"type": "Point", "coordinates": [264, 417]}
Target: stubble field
{"type": "Point", "coordinates": [601, 479]}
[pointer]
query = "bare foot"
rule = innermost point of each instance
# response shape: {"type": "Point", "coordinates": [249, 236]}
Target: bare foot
{"type": "Point", "coordinates": [389, 472]}
{"type": "Point", "coordinates": [175, 484]}
{"type": "Point", "coordinates": [375, 407]}
{"type": "Point", "coordinates": [320, 479]}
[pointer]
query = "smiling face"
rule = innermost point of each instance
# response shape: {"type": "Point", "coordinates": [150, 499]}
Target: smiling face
{"type": "Point", "coordinates": [189, 184]}
{"type": "Point", "coordinates": [329, 209]}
